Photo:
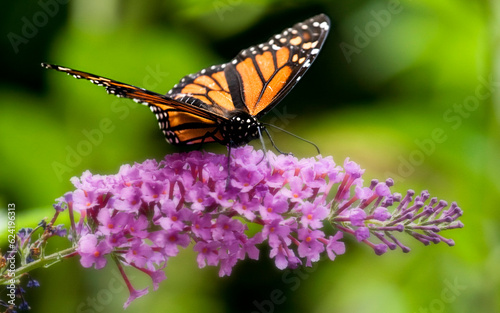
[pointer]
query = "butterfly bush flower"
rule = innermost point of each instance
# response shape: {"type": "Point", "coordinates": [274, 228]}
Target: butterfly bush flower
{"type": "Point", "coordinates": [147, 212]}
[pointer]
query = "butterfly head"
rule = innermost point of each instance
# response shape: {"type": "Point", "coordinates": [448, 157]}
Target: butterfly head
{"type": "Point", "coordinates": [240, 129]}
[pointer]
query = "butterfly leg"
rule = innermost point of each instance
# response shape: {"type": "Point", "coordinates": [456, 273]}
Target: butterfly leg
{"type": "Point", "coordinates": [263, 146]}
{"type": "Point", "coordinates": [202, 142]}
{"type": "Point", "coordinates": [209, 135]}
{"type": "Point", "coordinates": [228, 165]}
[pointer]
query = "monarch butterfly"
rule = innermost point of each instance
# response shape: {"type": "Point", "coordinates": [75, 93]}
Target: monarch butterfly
{"type": "Point", "coordinates": [223, 103]}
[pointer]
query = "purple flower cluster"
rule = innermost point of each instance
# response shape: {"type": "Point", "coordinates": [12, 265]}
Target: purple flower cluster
{"type": "Point", "coordinates": [142, 215]}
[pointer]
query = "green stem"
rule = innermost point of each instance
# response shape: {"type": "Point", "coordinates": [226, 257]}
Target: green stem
{"type": "Point", "coordinates": [44, 261]}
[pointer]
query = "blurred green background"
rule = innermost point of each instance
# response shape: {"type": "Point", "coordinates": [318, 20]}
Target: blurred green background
{"type": "Point", "coordinates": [408, 89]}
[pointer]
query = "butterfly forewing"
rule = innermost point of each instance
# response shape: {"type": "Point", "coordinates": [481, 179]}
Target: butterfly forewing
{"type": "Point", "coordinates": [260, 76]}
{"type": "Point", "coordinates": [175, 118]}
{"type": "Point", "coordinates": [267, 72]}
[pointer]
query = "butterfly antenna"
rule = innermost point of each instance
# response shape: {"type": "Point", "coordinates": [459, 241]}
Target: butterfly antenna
{"type": "Point", "coordinates": [274, 144]}
{"type": "Point", "coordinates": [289, 133]}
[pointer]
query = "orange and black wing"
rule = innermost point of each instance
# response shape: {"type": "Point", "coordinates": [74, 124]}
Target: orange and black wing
{"type": "Point", "coordinates": [201, 107]}
{"type": "Point", "coordinates": [182, 122]}
{"type": "Point", "coordinates": [260, 76]}
{"type": "Point", "coordinates": [209, 87]}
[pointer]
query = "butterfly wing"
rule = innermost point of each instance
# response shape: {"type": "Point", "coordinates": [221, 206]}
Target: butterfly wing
{"type": "Point", "coordinates": [267, 72]}
{"type": "Point", "coordinates": [208, 87]}
{"type": "Point", "coordinates": [253, 83]}
{"type": "Point", "coordinates": [182, 122]}
{"type": "Point", "coordinates": [260, 76]}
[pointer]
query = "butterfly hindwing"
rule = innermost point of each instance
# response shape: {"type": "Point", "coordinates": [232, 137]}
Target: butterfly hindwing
{"type": "Point", "coordinates": [207, 88]}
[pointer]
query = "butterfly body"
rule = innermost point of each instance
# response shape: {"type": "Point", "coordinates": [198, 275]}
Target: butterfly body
{"type": "Point", "coordinates": [223, 103]}
{"type": "Point", "coordinates": [240, 129]}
